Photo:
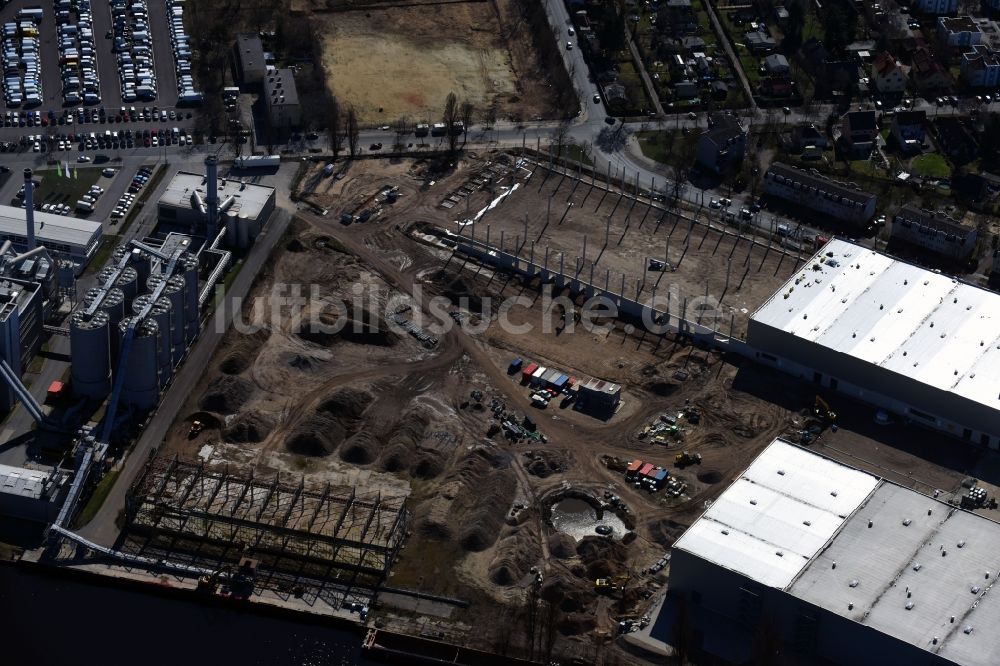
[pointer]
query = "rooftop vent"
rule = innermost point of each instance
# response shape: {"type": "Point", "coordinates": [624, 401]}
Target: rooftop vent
{"type": "Point", "coordinates": [974, 589]}
{"type": "Point", "coordinates": [870, 523]}
{"type": "Point", "coordinates": [781, 472]}
{"type": "Point", "coordinates": [854, 583]}
{"type": "Point", "coordinates": [807, 523]}
{"type": "Point", "coordinates": [754, 502]}
{"type": "Point", "coordinates": [968, 629]}
{"type": "Point", "coordinates": [906, 523]}
{"type": "Point", "coordinates": [918, 566]}
{"type": "Point", "coordinates": [909, 605]}
{"type": "Point", "coordinates": [961, 544]}
{"type": "Point", "coordinates": [726, 532]}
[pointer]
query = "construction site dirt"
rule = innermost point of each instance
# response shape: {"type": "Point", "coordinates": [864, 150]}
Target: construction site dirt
{"type": "Point", "coordinates": [376, 407]}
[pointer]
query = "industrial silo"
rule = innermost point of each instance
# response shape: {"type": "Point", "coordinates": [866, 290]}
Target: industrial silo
{"type": "Point", "coordinates": [90, 369]}
{"type": "Point", "coordinates": [141, 386]}
{"type": "Point", "coordinates": [143, 265]}
{"type": "Point", "coordinates": [128, 282]}
{"type": "Point", "coordinates": [242, 231]}
{"type": "Point", "coordinates": [174, 292]}
{"type": "Point", "coordinates": [187, 268]}
{"type": "Point", "coordinates": [230, 220]}
{"type": "Point", "coordinates": [161, 314]}
{"type": "Point", "coordinates": [114, 305]}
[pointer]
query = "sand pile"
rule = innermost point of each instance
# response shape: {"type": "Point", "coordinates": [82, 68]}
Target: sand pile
{"type": "Point", "coordinates": [513, 560]}
{"type": "Point", "coordinates": [226, 394]}
{"type": "Point", "coordinates": [360, 327]}
{"type": "Point", "coordinates": [665, 531]}
{"type": "Point", "coordinates": [319, 435]}
{"type": "Point", "coordinates": [601, 557]}
{"type": "Point", "coordinates": [244, 351]}
{"type": "Point", "coordinates": [562, 546]}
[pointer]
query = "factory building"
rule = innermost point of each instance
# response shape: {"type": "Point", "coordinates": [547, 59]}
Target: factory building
{"type": "Point", "coordinates": [64, 237]}
{"type": "Point", "coordinates": [908, 340]}
{"type": "Point", "coordinates": [834, 565]}
{"type": "Point", "coordinates": [242, 208]}
{"type": "Point", "coordinates": [30, 494]}
{"type": "Point", "coordinates": [815, 192]}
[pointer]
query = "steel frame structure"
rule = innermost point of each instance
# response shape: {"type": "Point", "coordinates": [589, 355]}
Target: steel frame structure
{"type": "Point", "coordinates": [288, 527]}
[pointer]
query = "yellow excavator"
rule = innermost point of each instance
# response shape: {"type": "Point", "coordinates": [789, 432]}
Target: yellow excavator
{"type": "Point", "coordinates": [613, 584]}
{"type": "Point", "coordinates": [821, 409]}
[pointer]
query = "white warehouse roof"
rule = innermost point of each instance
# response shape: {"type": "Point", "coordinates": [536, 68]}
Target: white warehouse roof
{"type": "Point", "coordinates": [789, 502]}
{"type": "Point", "coordinates": [51, 230]}
{"type": "Point", "coordinates": [906, 319]}
{"type": "Point", "coordinates": [22, 482]}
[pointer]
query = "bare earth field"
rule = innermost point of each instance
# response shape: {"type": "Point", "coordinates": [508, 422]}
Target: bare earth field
{"type": "Point", "coordinates": [402, 62]}
{"type": "Point", "coordinates": [373, 407]}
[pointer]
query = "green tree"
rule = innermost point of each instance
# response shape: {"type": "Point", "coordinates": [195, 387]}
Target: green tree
{"type": "Point", "coordinates": [793, 33]}
{"type": "Point", "coordinates": [839, 25]}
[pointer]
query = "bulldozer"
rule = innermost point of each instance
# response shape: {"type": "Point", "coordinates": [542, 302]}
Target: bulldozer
{"type": "Point", "coordinates": [821, 409]}
{"type": "Point", "coordinates": [687, 458]}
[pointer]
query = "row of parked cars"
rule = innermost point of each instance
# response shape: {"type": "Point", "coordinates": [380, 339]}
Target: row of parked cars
{"type": "Point", "coordinates": [22, 66]}
{"type": "Point", "coordinates": [77, 52]}
{"type": "Point", "coordinates": [107, 140]}
{"type": "Point", "coordinates": [181, 43]}
{"type": "Point", "coordinates": [133, 44]}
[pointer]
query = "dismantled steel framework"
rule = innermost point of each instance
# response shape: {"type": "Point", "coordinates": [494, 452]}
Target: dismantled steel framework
{"type": "Point", "coordinates": [290, 527]}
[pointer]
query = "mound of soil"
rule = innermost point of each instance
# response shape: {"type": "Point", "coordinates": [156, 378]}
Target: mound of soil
{"type": "Point", "coordinates": [300, 362]}
{"type": "Point", "coordinates": [432, 519]}
{"type": "Point", "coordinates": [360, 327]}
{"type": "Point", "coordinates": [249, 428]}
{"type": "Point", "coordinates": [710, 476]}
{"type": "Point", "coordinates": [545, 463]}
{"type": "Point", "coordinates": [360, 449]}
{"type": "Point", "coordinates": [601, 557]}
{"type": "Point", "coordinates": [485, 501]}
{"type": "Point", "coordinates": [226, 394]}
{"type": "Point", "coordinates": [561, 546]}
{"type": "Point", "coordinates": [318, 436]}
{"type": "Point", "coordinates": [665, 532]}
{"type": "Point", "coordinates": [295, 245]}
{"type": "Point", "coordinates": [662, 388]}
{"type": "Point", "coordinates": [395, 458]}
{"type": "Point", "coordinates": [514, 559]}
{"type": "Point", "coordinates": [427, 466]}
{"type": "Point", "coordinates": [458, 291]}
{"type": "Point", "coordinates": [346, 403]}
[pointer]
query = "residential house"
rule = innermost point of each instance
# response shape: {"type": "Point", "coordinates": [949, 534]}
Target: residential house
{"type": "Point", "coordinates": [722, 146]}
{"type": "Point", "coordinates": [936, 232]}
{"type": "Point", "coordinates": [720, 91]}
{"type": "Point", "coordinates": [814, 54]}
{"type": "Point", "coordinates": [781, 16]}
{"type": "Point", "coordinates": [776, 86]}
{"type": "Point", "coordinates": [858, 130]}
{"type": "Point", "coordinates": [908, 130]}
{"type": "Point", "coordinates": [958, 31]}
{"type": "Point", "coordinates": [928, 75]}
{"type": "Point", "coordinates": [693, 43]}
{"type": "Point", "coordinates": [677, 17]}
{"type": "Point", "coordinates": [936, 7]}
{"type": "Point", "coordinates": [888, 75]}
{"type": "Point", "coordinates": [954, 140]}
{"type": "Point", "coordinates": [759, 42]}
{"type": "Point", "coordinates": [980, 67]}
{"type": "Point", "coordinates": [776, 64]}
{"type": "Point", "coordinates": [812, 190]}
{"type": "Point", "coordinates": [615, 91]}
{"type": "Point", "coordinates": [840, 75]}
{"type": "Point", "coordinates": [807, 135]}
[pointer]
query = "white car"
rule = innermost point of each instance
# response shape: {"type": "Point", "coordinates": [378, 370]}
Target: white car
{"type": "Point", "coordinates": [571, 32]}
{"type": "Point", "coordinates": [83, 158]}
{"type": "Point", "coordinates": [108, 173]}
{"type": "Point", "coordinates": [569, 46]}
{"type": "Point", "coordinates": [36, 147]}
{"type": "Point", "coordinates": [714, 203]}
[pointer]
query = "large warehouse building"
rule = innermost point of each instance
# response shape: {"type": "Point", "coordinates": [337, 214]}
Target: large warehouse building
{"type": "Point", "coordinates": [899, 337]}
{"type": "Point", "coordinates": [65, 237]}
{"type": "Point", "coordinates": [838, 566]}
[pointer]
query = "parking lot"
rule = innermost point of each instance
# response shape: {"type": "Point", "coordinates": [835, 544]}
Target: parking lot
{"type": "Point", "coordinates": [65, 53]}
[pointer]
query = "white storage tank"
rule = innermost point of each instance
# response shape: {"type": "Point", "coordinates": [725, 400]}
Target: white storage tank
{"type": "Point", "coordinates": [174, 292]}
{"type": "Point", "coordinates": [141, 387]}
{"type": "Point", "coordinates": [187, 268]}
{"type": "Point", "coordinates": [161, 314]}
{"type": "Point", "coordinates": [90, 354]}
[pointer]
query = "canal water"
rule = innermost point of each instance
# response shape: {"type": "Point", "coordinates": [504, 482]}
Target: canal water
{"type": "Point", "coordinates": [578, 519]}
{"type": "Point", "coordinates": [53, 620]}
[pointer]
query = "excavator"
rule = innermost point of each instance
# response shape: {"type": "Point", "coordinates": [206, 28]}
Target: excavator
{"type": "Point", "coordinates": [821, 409]}
{"type": "Point", "coordinates": [687, 458]}
{"type": "Point", "coordinates": [616, 583]}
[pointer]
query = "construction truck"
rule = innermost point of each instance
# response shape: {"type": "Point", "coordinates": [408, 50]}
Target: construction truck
{"type": "Point", "coordinates": [687, 458]}
{"type": "Point", "coordinates": [821, 409]}
{"type": "Point", "coordinates": [196, 428]}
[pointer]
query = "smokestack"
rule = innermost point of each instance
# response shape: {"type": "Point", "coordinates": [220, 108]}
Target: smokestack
{"type": "Point", "coordinates": [212, 200]}
{"type": "Point", "coordinates": [29, 208]}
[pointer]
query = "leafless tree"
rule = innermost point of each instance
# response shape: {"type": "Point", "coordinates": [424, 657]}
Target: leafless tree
{"type": "Point", "coordinates": [559, 136]}
{"type": "Point", "coordinates": [467, 111]}
{"type": "Point", "coordinates": [352, 131]}
{"type": "Point", "coordinates": [450, 119]}
{"type": "Point", "coordinates": [333, 120]}
{"type": "Point", "coordinates": [402, 127]}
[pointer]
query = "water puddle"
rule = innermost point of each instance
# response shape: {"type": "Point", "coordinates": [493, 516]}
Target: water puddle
{"type": "Point", "coordinates": [578, 519]}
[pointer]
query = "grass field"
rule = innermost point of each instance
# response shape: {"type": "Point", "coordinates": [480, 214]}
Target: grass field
{"type": "Point", "coordinates": [59, 189]}
{"type": "Point", "coordinates": [933, 165]}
